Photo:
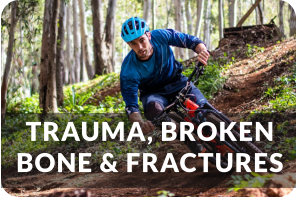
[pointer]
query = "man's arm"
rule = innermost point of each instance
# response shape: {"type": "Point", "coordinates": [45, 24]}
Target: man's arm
{"type": "Point", "coordinates": [179, 39]}
{"type": "Point", "coordinates": [129, 91]}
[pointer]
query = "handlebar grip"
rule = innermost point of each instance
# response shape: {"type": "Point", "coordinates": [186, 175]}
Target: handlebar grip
{"type": "Point", "coordinates": [199, 64]}
{"type": "Point", "coordinates": [153, 122]}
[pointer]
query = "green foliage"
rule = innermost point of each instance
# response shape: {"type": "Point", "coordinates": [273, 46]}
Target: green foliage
{"type": "Point", "coordinates": [26, 105]}
{"type": "Point", "coordinates": [165, 193]}
{"type": "Point", "coordinates": [283, 93]}
{"type": "Point", "coordinates": [292, 153]}
{"type": "Point", "coordinates": [286, 146]}
{"type": "Point", "coordinates": [253, 50]}
{"type": "Point", "coordinates": [97, 84]}
{"type": "Point", "coordinates": [212, 80]}
{"type": "Point", "coordinates": [20, 140]}
{"type": "Point", "coordinates": [247, 181]}
{"type": "Point", "coordinates": [112, 104]}
{"type": "Point", "coordinates": [74, 103]}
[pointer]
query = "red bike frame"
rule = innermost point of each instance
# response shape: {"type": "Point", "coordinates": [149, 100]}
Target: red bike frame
{"type": "Point", "coordinates": [192, 106]}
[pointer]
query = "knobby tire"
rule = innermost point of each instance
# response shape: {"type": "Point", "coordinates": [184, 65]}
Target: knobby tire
{"type": "Point", "coordinates": [249, 146]}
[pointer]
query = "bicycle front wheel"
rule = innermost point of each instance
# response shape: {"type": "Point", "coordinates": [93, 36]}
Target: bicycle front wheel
{"type": "Point", "coordinates": [244, 146]}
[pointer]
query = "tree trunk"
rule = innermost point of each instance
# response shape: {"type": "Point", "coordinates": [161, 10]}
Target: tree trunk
{"type": "Point", "coordinates": [21, 43]}
{"type": "Point", "coordinates": [44, 55]}
{"type": "Point", "coordinates": [184, 27]}
{"type": "Point", "coordinates": [66, 70]}
{"type": "Point", "coordinates": [207, 25]}
{"type": "Point", "coordinates": [85, 41]}
{"type": "Point", "coordinates": [60, 54]}
{"type": "Point", "coordinates": [292, 21]}
{"type": "Point", "coordinates": [20, 64]}
{"type": "Point", "coordinates": [189, 24]}
{"type": "Point", "coordinates": [232, 13]}
{"type": "Point", "coordinates": [153, 14]}
{"type": "Point", "coordinates": [239, 10]}
{"type": "Point", "coordinates": [113, 45]}
{"type": "Point", "coordinates": [221, 19]}
{"type": "Point", "coordinates": [13, 68]}
{"type": "Point", "coordinates": [147, 10]}
{"type": "Point", "coordinates": [34, 88]}
{"type": "Point", "coordinates": [13, 21]}
{"type": "Point", "coordinates": [81, 75]}
{"type": "Point", "coordinates": [168, 8]}
{"type": "Point", "coordinates": [76, 41]}
{"type": "Point", "coordinates": [124, 50]}
{"type": "Point", "coordinates": [109, 32]}
{"type": "Point", "coordinates": [263, 10]}
{"type": "Point", "coordinates": [189, 17]}
{"type": "Point", "coordinates": [177, 4]}
{"type": "Point", "coordinates": [256, 14]}
{"type": "Point", "coordinates": [200, 5]}
{"type": "Point", "coordinates": [51, 95]}
{"type": "Point", "coordinates": [261, 14]}
{"type": "Point", "coordinates": [2, 57]}
{"type": "Point", "coordinates": [281, 19]}
{"type": "Point", "coordinates": [70, 66]}
{"type": "Point", "coordinates": [97, 35]}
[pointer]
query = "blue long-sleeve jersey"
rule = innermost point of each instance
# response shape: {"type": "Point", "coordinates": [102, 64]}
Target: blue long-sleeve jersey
{"type": "Point", "coordinates": [156, 72]}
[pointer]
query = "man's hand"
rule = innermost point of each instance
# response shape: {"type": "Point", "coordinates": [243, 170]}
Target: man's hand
{"type": "Point", "coordinates": [202, 52]}
{"type": "Point", "coordinates": [146, 127]}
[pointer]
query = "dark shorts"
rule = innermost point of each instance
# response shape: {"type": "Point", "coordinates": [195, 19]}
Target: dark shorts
{"type": "Point", "coordinates": [154, 101]}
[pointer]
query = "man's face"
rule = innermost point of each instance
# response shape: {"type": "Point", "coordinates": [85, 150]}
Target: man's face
{"type": "Point", "coordinates": [142, 46]}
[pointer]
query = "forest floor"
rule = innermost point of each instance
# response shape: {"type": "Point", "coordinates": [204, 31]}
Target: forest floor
{"type": "Point", "coordinates": [248, 79]}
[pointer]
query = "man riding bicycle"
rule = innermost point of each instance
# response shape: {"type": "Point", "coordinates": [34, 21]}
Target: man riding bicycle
{"type": "Point", "coordinates": [151, 67]}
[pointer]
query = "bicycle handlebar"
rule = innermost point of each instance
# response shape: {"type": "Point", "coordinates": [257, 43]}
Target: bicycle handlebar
{"type": "Point", "coordinates": [199, 64]}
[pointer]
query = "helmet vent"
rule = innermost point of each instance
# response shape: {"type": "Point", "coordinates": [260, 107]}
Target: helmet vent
{"type": "Point", "coordinates": [131, 26]}
{"type": "Point", "coordinates": [125, 29]}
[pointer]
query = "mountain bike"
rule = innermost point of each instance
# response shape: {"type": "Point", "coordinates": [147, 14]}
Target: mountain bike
{"type": "Point", "coordinates": [183, 109]}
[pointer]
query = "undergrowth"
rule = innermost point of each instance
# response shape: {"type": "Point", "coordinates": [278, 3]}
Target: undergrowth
{"type": "Point", "coordinates": [281, 99]}
{"type": "Point", "coordinates": [248, 181]}
{"type": "Point", "coordinates": [75, 96]}
{"type": "Point", "coordinates": [212, 80]}
{"type": "Point", "coordinates": [16, 136]}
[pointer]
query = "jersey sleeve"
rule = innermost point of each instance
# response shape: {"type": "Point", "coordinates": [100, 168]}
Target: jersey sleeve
{"type": "Point", "coordinates": [178, 39]}
{"type": "Point", "coordinates": [129, 89]}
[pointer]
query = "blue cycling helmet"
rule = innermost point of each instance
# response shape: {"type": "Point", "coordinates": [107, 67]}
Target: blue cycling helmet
{"type": "Point", "coordinates": [133, 28]}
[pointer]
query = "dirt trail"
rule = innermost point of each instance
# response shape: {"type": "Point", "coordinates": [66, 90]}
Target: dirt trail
{"type": "Point", "coordinates": [241, 92]}
{"type": "Point", "coordinates": [247, 78]}
{"type": "Point", "coordinates": [99, 96]}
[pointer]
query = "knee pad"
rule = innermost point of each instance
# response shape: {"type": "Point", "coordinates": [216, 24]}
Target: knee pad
{"type": "Point", "coordinates": [152, 110]}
